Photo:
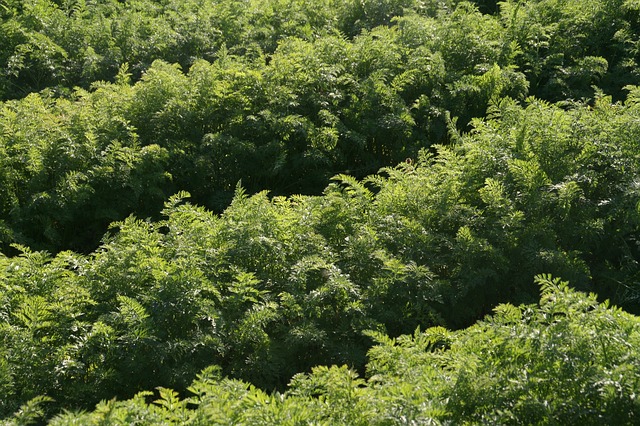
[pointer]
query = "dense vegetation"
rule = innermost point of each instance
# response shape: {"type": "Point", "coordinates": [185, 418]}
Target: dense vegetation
{"type": "Point", "coordinates": [144, 98]}
{"type": "Point", "coordinates": [568, 361]}
{"type": "Point", "coordinates": [452, 157]}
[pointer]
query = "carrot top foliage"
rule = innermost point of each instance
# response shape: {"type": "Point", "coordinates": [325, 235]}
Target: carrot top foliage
{"type": "Point", "coordinates": [255, 206]}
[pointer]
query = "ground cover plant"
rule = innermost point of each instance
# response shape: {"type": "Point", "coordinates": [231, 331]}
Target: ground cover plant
{"type": "Point", "coordinates": [245, 212]}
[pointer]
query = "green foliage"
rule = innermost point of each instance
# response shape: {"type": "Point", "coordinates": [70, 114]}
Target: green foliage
{"type": "Point", "coordinates": [29, 412]}
{"type": "Point", "coordinates": [70, 172]}
{"type": "Point", "coordinates": [567, 360]}
{"type": "Point", "coordinates": [284, 114]}
{"type": "Point", "coordinates": [569, 46]}
{"type": "Point", "coordinates": [275, 286]}
{"type": "Point", "coordinates": [456, 182]}
{"type": "Point", "coordinates": [543, 365]}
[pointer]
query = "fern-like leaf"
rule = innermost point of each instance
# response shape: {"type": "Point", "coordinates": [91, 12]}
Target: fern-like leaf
{"type": "Point", "coordinates": [353, 186]}
{"type": "Point", "coordinates": [30, 411]}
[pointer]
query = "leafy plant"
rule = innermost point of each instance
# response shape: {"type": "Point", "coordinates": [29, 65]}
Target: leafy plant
{"type": "Point", "coordinates": [515, 366]}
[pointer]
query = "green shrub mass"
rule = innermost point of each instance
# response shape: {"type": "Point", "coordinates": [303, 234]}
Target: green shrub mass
{"type": "Point", "coordinates": [328, 212]}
